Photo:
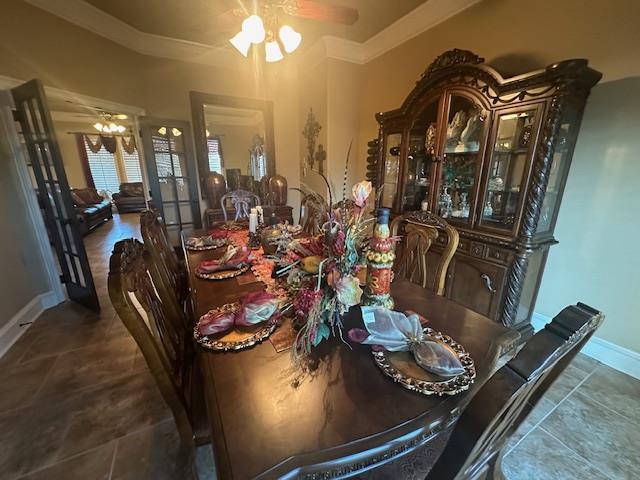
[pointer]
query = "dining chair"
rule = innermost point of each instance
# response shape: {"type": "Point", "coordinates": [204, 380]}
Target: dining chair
{"type": "Point", "coordinates": [160, 333]}
{"type": "Point", "coordinates": [168, 272]}
{"type": "Point", "coordinates": [474, 445]}
{"type": "Point", "coordinates": [413, 252]}
{"type": "Point", "coordinates": [242, 201]}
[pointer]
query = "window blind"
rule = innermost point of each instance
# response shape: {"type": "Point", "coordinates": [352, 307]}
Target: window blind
{"type": "Point", "coordinates": [164, 158]}
{"type": "Point", "coordinates": [103, 170]}
{"type": "Point", "coordinates": [131, 166]}
{"type": "Point", "coordinates": [215, 155]}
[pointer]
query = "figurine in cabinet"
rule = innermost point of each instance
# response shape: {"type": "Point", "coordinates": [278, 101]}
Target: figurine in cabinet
{"type": "Point", "coordinates": [497, 174]}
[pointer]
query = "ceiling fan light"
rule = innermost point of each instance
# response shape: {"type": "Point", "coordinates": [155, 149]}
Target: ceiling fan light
{"type": "Point", "coordinates": [121, 128]}
{"type": "Point", "coordinates": [175, 132]}
{"type": "Point", "coordinates": [162, 130]}
{"type": "Point", "coordinates": [290, 38]}
{"type": "Point", "coordinates": [273, 52]}
{"type": "Point", "coordinates": [241, 42]}
{"type": "Point", "coordinates": [254, 29]}
{"type": "Point", "coordinates": [98, 126]}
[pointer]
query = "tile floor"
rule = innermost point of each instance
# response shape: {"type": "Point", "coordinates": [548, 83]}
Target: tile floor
{"type": "Point", "coordinates": [77, 402]}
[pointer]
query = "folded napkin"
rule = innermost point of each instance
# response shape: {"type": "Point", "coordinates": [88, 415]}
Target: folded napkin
{"type": "Point", "coordinates": [254, 308]}
{"type": "Point", "coordinates": [397, 332]}
{"type": "Point", "coordinates": [234, 257]}
{"type": "Point", "coordinates": [206, 240]}
{"type": "Point", "coordinates": [219, 233]}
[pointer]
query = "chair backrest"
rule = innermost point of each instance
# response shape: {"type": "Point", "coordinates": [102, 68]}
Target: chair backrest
{"type": "Point", "coordinates": [242, 201]}
{"type": "Point", "coordinates": [161, 335]}
{"type": "Point", "coordinates": [504, 401]}
{"type": "Point", "coordinates": [418, 232]}
{"type": "Point", "coordinates": [168, 274]}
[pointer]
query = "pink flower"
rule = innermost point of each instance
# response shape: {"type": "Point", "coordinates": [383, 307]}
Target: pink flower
{"type": "Point", "coordinates": [361, 192]}
{"type": "Point", "coordinates": [348, 291]}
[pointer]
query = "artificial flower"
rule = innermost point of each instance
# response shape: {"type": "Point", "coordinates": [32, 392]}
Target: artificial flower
{"type": "Point", "coordinates": [361, 192]}
{"type": "Point", "coordinates": [348, 291]}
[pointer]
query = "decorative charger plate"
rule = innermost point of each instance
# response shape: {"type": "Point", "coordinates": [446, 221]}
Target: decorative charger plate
{"type": "Point", "coordinates": [239, 337]}
{"type": "Point", "coordinates": [207, 247]}
{"type": "Point", "coordinates": [403, 369]}
{"type": "Point", "coordinates": [222, 274]}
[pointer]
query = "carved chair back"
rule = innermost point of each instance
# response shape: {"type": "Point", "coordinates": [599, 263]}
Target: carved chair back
{"type": "Point", "coordinates": [500, 406]}
{"type": "Point", "coordinates": [418, 232]}
{"type": "Point", "coordinates": [242, 201]}
{"type": "Point", "coordinates": [158, 330]}
{"type": "Point", "coordinates": [167, 271]}
{"type": "Point", "coordinates": [313, 213]}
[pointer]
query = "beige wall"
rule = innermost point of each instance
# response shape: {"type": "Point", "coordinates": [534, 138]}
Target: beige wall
{"type": "Point", "coordinates": [70, 154]}
{"type": "Point", "coordinates": [596, 212]}
{"type": "Point", "coordinates": [236, 140]}
{"type": "Point", "coordinates": [23, 276]}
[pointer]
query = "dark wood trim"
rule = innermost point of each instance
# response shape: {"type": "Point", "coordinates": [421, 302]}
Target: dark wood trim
{"type": "Point", "coordinates": [199, 99]}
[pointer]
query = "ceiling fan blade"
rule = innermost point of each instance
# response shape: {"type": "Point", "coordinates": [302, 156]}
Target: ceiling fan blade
{"type": "Point", "coordinates": [329, 13]}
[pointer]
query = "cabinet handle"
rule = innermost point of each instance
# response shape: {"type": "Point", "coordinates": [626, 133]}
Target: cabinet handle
{"type": "Point", "coordinates": [486, 279]}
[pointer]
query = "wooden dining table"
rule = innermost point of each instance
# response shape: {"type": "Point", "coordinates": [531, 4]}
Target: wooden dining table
{"type": "Point", "coordinates": [337, 414]}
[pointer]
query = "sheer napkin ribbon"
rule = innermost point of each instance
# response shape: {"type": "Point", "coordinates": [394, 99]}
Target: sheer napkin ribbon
{"type": "Point", "coordinates": [254, 308]}
{"type": "Point", "coordinates": [397, 332]}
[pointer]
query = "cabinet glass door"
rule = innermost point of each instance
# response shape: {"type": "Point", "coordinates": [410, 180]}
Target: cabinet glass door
{"type": "Point", "coordinates": [391, 169]}
{"type": "Point", "coordinates": [507, 170]}
{"type": "Point", "coordinates": [420, 156]}
{"type": "Point", "coordinates": [459, 168]}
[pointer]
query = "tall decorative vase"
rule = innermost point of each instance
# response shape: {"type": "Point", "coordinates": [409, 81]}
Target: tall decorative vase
{"type": "Point", "coordinates": [380, 260]}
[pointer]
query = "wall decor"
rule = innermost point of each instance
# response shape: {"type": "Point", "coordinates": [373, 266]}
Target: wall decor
{"type": "Point", "coordinates": [311, 131]}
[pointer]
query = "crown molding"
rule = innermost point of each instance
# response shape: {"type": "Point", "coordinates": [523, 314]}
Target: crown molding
{"type": "Point", "coordinates": [91, 18]}
{"type": "Point", "coordinates": [419, 20]}
{"type": "Point", "coordinates": [53, 93]}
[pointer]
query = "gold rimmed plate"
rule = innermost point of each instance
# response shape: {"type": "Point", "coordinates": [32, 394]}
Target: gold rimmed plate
{"type": "Point", "coordinates": [221, 243]}
{"type": "Point", "coordinates": [403, 369]}
{"type": "Point", "coordinates": [222, 274]}
{"type": "Point", "coordinates": [237, 338]}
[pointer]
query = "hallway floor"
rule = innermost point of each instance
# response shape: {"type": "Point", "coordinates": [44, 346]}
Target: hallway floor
{"type": "Point", "coordinates": [77, 402]}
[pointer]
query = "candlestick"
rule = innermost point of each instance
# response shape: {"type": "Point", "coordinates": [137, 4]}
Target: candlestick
{"type": "Point", "coordinates": [253, 222]}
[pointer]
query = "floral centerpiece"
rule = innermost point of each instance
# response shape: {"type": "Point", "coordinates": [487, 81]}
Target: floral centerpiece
{"type": "Point", "coordinates": [323, 274]}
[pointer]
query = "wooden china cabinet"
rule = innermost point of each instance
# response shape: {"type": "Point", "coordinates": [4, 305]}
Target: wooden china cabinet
{"type": "Point", "coordinates": [491, 155]}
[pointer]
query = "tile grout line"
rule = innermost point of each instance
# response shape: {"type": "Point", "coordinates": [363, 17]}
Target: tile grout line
{"type": "Point", "coordinates": [113, 459]}
{"type": "Point", "coordinates": [574, 452]}
{"type": "Point", "coordinates": [608, 408]}
{"type": "Point", "coordinates": [550, 411]}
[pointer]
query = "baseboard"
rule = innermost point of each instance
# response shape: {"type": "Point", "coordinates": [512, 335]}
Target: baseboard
{"type": "Point", "coordinates": [609, 353]}
{"type": "Point", "coordinates": [22, 320]}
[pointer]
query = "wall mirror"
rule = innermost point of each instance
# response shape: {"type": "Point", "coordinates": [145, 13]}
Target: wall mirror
{"type": "Point", "coordinates": [234, 137]}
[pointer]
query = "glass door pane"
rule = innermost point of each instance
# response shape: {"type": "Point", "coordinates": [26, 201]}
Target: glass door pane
{"type": "Point", "coordinates": [459, 168]}
{"type": "Point", "coordinates": [391, 168]}
{"type": "Point", "coordinates": [172, 176]}
{"type": "Point", "coordinates": [514, 136]}
{"type": "Point", "coordinates": [422, 151]}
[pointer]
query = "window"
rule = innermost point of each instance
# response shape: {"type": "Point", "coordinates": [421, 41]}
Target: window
{"type": "Point", "coordinates": [259, 166]}
{"type": "Point", "coordinates": [131, 166]}
{"type": "Point", "coordinates": [103, 170]}
{"type": "Point", "coordinates": [216, 163]}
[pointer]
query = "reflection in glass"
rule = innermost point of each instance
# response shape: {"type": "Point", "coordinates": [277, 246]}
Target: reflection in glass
{"type": "Point", "coordinates": [465, 127]}
{"type": "Point", "coordinates": [390, 170]}
{"type": "Point", "coordinates": [507, 168]}
{"type": "Point", "coordinates": [421, 153]}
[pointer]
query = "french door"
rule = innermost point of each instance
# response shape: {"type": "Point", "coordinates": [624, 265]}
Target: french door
{"type": "Point", "coordinates": [168, 153]}
{"type": "Point", "coordinates": [54, 196]}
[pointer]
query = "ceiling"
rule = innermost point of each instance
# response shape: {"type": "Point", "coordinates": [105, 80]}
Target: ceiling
{"type": "Point", "coordinates": [211, 22]}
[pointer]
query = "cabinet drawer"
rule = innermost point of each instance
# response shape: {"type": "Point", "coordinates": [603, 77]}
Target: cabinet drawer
{"type": "Point", "coordinates": [476, 284]}
{"type": "Point", "coordinates": [498, 255]}
{"type": "Point", "coordinates": [477, 250]}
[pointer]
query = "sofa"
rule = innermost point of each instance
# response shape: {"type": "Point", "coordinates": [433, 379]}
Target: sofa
{"type": "Point", "coordinates": [130, 198]}
{"type": "Point", "coordinates": [92, 209]}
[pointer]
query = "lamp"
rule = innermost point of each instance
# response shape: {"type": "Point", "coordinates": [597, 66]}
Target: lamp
{"type": "Point", "coordinates": [241, 42]}
{"type": "Point", "coordinates": [273, 52]}
{"type": "Point", "coordinates": [253, 29]}
{"type": "Point", "coordinates": [254, 32]}
{"type": "Point", "coordinates": [290, 38]}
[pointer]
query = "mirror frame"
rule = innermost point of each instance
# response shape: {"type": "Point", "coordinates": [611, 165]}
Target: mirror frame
{"type": "Point", "coordinates": [199, 100]}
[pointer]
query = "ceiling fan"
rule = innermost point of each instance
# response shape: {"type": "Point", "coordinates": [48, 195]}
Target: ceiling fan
{"type": "Point", "coordinates": [263, 25]}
